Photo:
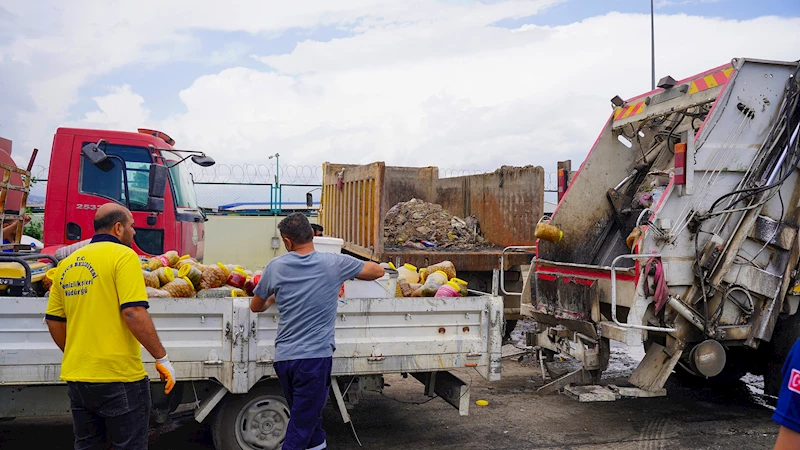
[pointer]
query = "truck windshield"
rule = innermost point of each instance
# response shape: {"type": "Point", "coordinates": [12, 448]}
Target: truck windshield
{"type": "Point", "coordinates": [183, 187]}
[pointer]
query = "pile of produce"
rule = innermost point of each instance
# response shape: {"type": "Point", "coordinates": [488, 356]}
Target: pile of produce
{"type": "Point", "coordinates": [171, 275]}
{"type": "Point", "coordinates": [423, 225]}
{"type": "Point", "coordinates": [437, 280]}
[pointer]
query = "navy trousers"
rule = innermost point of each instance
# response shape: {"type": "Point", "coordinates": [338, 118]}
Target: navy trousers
{"type": "Point", "coordinates": [305, 384]}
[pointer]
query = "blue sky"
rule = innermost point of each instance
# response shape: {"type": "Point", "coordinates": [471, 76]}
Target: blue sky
{"type": "Point", "coordinates": [454, 83]}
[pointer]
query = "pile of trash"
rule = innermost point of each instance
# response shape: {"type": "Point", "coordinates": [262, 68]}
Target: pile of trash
{"type": "Point", "coordinates": [422, 225]}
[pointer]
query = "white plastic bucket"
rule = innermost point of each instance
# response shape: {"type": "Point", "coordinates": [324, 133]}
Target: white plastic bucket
{"type": "Point", "coordinates": [324, 244]}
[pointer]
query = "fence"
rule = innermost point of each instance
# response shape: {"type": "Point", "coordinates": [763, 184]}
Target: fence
{"type": "Point", "coordinates": [255, 188]}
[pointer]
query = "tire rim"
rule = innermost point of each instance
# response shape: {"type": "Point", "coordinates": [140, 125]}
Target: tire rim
{"type": "Point", "coordinates": [262, 423]}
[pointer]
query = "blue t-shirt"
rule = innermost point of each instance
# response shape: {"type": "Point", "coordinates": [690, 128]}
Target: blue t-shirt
{"type": "Point", "coordinates": [787, 412]}
{"type": "Point", "coordinates": [306, 289]}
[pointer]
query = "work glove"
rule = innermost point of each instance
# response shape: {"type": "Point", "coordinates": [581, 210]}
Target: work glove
{"type": "Point", "coordinates": [166, 372]}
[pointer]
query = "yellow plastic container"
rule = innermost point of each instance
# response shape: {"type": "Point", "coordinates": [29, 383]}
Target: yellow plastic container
{"type": "Point", "coordinates": [409, 273]}
{"type": "Point", "coordinates": [548, 232]}
{"type": "Point", "coordinates": [462, 285]}
{"type": "Point", "coordinates": [433, 283]}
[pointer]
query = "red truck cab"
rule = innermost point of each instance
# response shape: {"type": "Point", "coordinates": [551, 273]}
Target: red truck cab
{"type": "Point", "coordinates": [141, 171]}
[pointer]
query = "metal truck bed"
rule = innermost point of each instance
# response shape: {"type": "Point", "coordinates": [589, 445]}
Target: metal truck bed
{"type": "Point", "coordinates": [356, 199]}
{"type": "Point", "coordinates": [221, 339]}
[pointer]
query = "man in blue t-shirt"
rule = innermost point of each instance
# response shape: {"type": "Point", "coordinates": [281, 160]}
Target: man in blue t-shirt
{"type": "Point", "coordinates": [305, 286]}
{"type": "Point", "coordinates": [787, 414]}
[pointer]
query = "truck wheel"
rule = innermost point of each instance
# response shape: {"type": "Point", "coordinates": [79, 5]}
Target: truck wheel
{"type": "Point", "coordinates": [253, 421]}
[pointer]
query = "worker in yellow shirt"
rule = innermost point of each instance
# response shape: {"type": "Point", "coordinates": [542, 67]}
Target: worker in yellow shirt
{"type": "Point", "coordinates": [97, 314]}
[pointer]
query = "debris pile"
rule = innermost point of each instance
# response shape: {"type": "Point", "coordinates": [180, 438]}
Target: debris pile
{"type": "Point", "coordinates": [422, 225]}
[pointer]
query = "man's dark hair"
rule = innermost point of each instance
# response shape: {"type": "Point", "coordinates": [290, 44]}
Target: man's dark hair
{"type": "Point", "coordinates": [296, 227]}
{"type": "Point", "coordinates": [317, 228]}
{"type": "Point", "coordinates": [107, 221]}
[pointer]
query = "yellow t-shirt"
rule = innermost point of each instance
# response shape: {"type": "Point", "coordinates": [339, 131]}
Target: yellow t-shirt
{"type": "Point", "coordinates": [90, 289]}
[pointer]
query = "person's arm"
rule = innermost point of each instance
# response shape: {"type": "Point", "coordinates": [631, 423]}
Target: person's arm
{"type": "Point", "coordinates": [58, 331]}
{"type": "Point", "coordinates": [788, 439]}
{"type": "Point", "coordinates": [258, 304]}
{"type": "Point", "coordinates": [55, 317]}
{"type": "Point", "coordinates": [9, 231]}
{"type": "Point", "coordinates": [141, 325]}
{"type": "Point", "coordinates": [371, 271]}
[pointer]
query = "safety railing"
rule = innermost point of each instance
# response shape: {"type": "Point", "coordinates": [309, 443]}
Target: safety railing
{"type": "Point", "coordinates": [614, 294]}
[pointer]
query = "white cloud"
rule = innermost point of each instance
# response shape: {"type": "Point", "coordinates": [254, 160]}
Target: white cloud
{"type": "Point", "coordinates": [417, 83]}
{"type": "Point", "coordinates": [62, 47]}
{"type": "Point", "coordinates": [665, 3]}
{"type": "Point", "coordinates": [455, 93]}
{"type": "Point", "coordinates": [121, 109]}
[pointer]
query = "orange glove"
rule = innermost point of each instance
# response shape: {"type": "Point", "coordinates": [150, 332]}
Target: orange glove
{"type": "Point", "coordinates": [166, 372]}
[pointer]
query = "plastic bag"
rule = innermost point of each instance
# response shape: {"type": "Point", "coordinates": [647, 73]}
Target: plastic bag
{"type": "Point", "coordinates": [179, 288]}
{"type": "Point", "coordinates": [156, 293]}
{"type": "Point", "coordinates": [221, 292]}
{"type": "Point", "coordinates": [214, 276]}
{"type": "Point", "coordinates": [432, 284]}
{"type": "Point", "coordinates": [445, 266]}
{"type": "Point", "coordinates": [192, 273]}
{"type": "Point", "coordinates": [151, 279]}
{"type": "Point", "coordinates": [165, 275]}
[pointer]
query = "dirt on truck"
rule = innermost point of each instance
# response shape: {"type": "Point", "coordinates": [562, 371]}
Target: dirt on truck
{"type": "Point", "coordinates": [502, 207]}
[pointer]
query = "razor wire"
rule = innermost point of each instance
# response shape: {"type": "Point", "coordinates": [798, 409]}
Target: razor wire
{"type": "Point", "coordinates": [227, 184]}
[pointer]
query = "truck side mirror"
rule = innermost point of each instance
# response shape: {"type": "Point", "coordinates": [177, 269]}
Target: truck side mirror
{"type": "Point", "coordinates": [309, 199]}
{"type": "Point", "coordinates": [94, 154]}
{"type": "Point", "coordinates": [203, 160]}
{"type": "Point", "coordinates": [156, 188]}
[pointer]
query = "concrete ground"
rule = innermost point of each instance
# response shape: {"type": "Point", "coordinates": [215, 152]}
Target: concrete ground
{"type": "Point", "coordinates": [516, 418]}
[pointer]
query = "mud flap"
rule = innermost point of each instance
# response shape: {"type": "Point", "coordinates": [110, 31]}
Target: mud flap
{"type": "Point", "coordinates": [447, 386]}
{"type": "Point", "coordinates": [656, 367]}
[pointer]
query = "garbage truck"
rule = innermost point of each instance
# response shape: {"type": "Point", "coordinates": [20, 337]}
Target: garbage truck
{"type": "Point", "coordinates": [679, 232]}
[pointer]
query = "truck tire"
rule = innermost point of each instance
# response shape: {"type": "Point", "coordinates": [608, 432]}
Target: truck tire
{"type": "Point", "coordinates": [787, 331]}
{"type": "Point", "coordinates": [253, 421]}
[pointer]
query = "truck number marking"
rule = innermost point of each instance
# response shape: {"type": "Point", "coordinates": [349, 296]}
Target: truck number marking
{"type": "Point", "coordinates": [86, 206]}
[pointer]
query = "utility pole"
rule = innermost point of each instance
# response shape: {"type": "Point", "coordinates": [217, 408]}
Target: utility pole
{"type": "Point", "coordinates": [652, 48]}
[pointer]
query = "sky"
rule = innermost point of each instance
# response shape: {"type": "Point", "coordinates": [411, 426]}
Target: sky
{"type": "Point", "coordinates": [457, 84]}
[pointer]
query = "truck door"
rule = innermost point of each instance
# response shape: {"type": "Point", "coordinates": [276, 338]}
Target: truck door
{"type": "Point", "coordinates": [124, 179]}
{"type": "Point", "coordinates": [189, 221]}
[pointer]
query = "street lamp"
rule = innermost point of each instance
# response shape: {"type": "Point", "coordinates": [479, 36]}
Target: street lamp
{"type": "Point", "coordinates": [277, 188]}
{"type": "Point", "coordinates": [652, 48]}
{"type": "Point", "coordinates": [278, 164]}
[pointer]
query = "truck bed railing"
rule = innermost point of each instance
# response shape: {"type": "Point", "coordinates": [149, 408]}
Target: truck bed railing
{"type": "Point", "coordinates": [503, 268]}
{"type": "Point", "coordinates": [614, 294]}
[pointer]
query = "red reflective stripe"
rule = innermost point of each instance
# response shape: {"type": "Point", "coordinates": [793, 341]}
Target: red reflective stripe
{"type": "Point", "coordinates": [701, 84]}
{"type": "Point", "coordinates": [583, 273]}
{"type": "Point", "coordinates": [547, 277]}
{"type": "Point", "coordinates": [720, 78]}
